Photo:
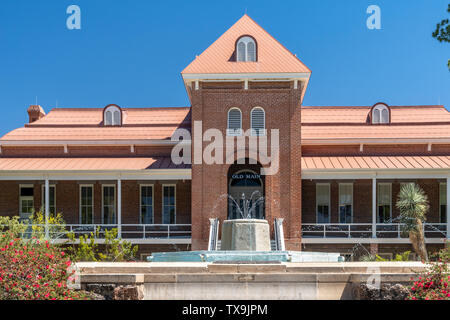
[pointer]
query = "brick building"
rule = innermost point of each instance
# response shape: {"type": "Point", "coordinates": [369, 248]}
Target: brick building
{"type": "Point", "coordinates": [340, 168]}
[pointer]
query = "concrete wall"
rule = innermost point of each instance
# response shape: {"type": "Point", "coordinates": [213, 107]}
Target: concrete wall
{"type": "Point", "coordinates": [287, 281]}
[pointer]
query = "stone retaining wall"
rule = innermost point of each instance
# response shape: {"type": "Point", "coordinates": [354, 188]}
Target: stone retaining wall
{"type": "Point", "coordinates": [198, 281]}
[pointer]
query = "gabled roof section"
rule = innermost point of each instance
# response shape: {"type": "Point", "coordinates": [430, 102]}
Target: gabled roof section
{"type": "Point", "coordinates": [75, 124]}
{"type": "Point", "coordinates": [219, 58]}
{"type": "Point", "coordinates": [341, 115]}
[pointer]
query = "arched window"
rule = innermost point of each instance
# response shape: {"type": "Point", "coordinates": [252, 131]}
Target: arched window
{"type": "Point", "coordinates": [258, 121]}
{"type": "Point", "coordinates": [246, 49]}
{"type": "Point", "coordinates": [112, 116]}
{"type": "Point", "coordinates": [234, 122]}
{"type": "Point", "coordinates": [380, 114]}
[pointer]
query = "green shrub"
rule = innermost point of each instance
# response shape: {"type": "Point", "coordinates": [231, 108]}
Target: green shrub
{"type": "Point", "coordinates": [114, 249]}
{"type": "Point", "coordinates": [398, 257]}
{"type": "Point", "coordinates": [56, 225]}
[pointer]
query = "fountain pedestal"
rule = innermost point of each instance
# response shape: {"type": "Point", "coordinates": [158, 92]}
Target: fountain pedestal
{"type": "Point", "coordinates": [245, 235]}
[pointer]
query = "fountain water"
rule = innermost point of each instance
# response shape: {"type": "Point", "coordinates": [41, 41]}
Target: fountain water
{"type": "Point", "coordinates": [245, 240]}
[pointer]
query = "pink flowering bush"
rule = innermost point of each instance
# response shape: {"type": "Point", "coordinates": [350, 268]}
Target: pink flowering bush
{"type": "Point", "coordinates": [434, 283]}
{"type": "Point", "coordinates": [34, 270]}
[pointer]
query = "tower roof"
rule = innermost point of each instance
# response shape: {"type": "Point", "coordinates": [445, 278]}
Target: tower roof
{"type": "Point", "coordinates": [272, 56]}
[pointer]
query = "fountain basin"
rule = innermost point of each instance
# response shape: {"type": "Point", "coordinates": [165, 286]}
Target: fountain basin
{"type": "Point", "coordinates": [245, 235]}
{"type": "Point", "coordinates": [245, 256]}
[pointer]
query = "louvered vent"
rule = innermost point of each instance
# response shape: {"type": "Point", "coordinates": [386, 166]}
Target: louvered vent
{"type": "Point", "coordinates": [234, 122]}
{"type": "Point", "coordinates": [258, 121]}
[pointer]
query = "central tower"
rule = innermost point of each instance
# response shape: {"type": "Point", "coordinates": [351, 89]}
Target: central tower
{"type": "Point", "coordinates": [246, 81]}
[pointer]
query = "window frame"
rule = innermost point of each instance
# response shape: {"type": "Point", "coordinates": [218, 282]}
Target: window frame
{"type": "Point", "coordinates": [140, 202]}
{"type": "Point", "coordinates": [246, 39]}
{"type": "Point", "coordinates": [443, 213]}
{"type": "Point", "coordinates": [262, 132]}
{"type": "Point", "coordinates": [234, 132]}
{"type": "Point", "coordinates": [112, 109]}
{"type": "Point", "coordinates": [351, 184]}
{"type": "Point", "coordinates": [329, 202]}
{"type": "Point", "coordinates": [80, 203]}
{"type": "Point", "coordinates": [31, 186]}
{"type": "Point", "coordinates": [174, 185]}
{"type": "Point", "coordinates": [380, 107]}
{"type": "Point", "coordinates": [378, 201]}
{"type": "Point", "coordinates": [115, 202]}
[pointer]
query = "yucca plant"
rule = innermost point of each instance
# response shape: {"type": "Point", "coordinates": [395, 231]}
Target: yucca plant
{"type": "Point", "coordinates": [413, 205]}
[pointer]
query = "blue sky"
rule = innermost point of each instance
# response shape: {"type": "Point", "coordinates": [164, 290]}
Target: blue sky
{"type": "Point", "coordinates": [132, 52]}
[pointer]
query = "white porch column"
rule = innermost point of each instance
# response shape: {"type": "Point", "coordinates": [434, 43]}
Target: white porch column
{"type": "Point", "coordinates": [119, 208]}
{"type": "Point", "coordinates": [47, 208]}
{"type": "Point", "coordinates": [448, 207]}
{"type": "Point", "coordinates": [374, 207]}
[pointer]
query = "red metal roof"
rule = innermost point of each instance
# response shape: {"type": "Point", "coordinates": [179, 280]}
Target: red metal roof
{"type": "Point", "coordinates": [87, 164]}
{"type": "Point", "coordinates": [376, 162]}
{"type": "Point", "coordinates": [273, 57]}
{"type": "Point", "coordinates": [359, 114]}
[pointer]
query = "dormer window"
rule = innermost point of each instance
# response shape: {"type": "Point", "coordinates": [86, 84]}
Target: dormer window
{"type": "Point", "coordinates": [380, 114]}
{"type": "Point", "coordinates": [112, 115]}
{"type": "Point", "coordinates": [246, 49]}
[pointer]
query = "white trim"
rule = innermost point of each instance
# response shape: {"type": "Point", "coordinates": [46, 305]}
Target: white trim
{"type": "Point", "coordinates": [43, 194]}
{"type": "Point", "coordinates": [448, 207]}
{"type": "Point", "coordinates": [390, 200]}
{"type": "Point", "coordinates": [140, 201]}
{"type": "Point", "coordinates": [249, 76]}
{"type": "Point", "coordinates": [374, 207]}
{"type": "Point", "coordinates": [330, 174]}
{"type": "Point", "coordinates": [152, 174]}
{"type": "Point", "coordinates": [25, 197]}
{"type": "Point", "coordinates": [329, 203]}
{"type": "Point", "coordinates": [350, 141]}
{"type": "Point", "coordinates": [119, 208]}
{"type": "Point", "coordinates": [79, 201]}
{"type": "Point", "coordinates": [366, 240]}
{"type": "Point", "coordinates": [106, 142]}
{"type": "Point", "coordinates": [115, 202]}
{"type": "Point", "coordinates": [339, 200]}
{"type": "Point", "coordinates": [134, 241]}
{"type": "Point", "coordinates": [175, 199]}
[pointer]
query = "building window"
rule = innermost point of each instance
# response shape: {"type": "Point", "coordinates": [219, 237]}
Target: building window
{"type": "Point", "coordinates": [246, 49]}
{"type": "Point", "coordinates": [112, 116]}
{"type": "Point", "coordinates": [323, 202]}
{"type": "Point", "coordinates": [147, 204]}
{"type": "Point", "coordinates": [443, 202]}
{"type": "Point", "coordinates": [109, 204]}
{"type": "Point", "coordinates": [234, 122]}
{"type": "Point", "coordinates": [258, 121]}
{"type": "Point", "coordinates": [380, 114]}
{"type": "Point", "coordinates": [384, 202]}
{"type": "Point", "coordinates": [169, 204]}
{"type": "Point", "coordinates": [345, 202]}
{"type": "Point", "coordinates": [52, 194]}
{"type": "Point", "coordinates": [26, 201]}
{"type": "Point", "coordinates": [86, 204]}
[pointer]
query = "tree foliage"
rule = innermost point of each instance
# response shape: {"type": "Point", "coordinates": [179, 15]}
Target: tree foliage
{"type": "Point", "coordinates": [442, 32]}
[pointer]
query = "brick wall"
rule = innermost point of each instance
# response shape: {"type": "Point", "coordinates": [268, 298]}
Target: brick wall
{"type": "Point", "coordinates": [68, 199]}
{"type": "Point", "coordinates": [211, 104]}
{"type": "Point", "coordinates": [362, 198]}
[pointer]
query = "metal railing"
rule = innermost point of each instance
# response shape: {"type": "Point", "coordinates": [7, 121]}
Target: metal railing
{"type": "Point", "coordinates": [128, 231]}
{"type": "Point", "coordinates": [364, 230]}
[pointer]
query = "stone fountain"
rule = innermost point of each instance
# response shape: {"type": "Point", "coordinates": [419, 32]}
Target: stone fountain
{"type": "Point", "coordinates": [244, 240]}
